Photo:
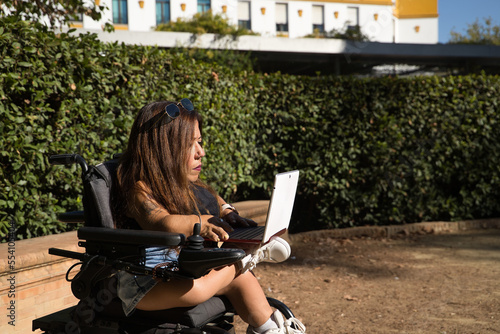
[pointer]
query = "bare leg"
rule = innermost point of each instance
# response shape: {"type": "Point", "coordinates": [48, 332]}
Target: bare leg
{"type": "Point", "coordinates": [244, 293]}
{"type": "Point", "coordinates": [247, 297]}
{"type": "Point", "coordinates": [185, 292]}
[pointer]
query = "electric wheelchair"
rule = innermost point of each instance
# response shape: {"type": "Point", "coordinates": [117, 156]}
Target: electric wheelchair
{"type": "Point", "coordinates": [109, 250]}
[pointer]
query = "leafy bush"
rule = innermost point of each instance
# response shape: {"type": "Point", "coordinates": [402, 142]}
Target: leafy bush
{"type": "Point", "coordinates": [50, 90]}
{"type": "Point", "coordinates": [235, 60]}
{"type": "Point", "coordinates": [348, 33]}
{"type": "Point", "coordinates": [66, 94]}
{"type": "Point", "coordinates": [204, 23]}
{"type": "Point", "coordinates": [55, 12]}
{"type": "Point", "coordinates": [385, 151]}
{"type": "Point", "coordinates": [370, 151]}
{"type": "Point", "coordinates": [218, 24]}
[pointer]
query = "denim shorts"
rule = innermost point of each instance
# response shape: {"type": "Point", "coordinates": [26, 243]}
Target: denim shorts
{"type": "Point", "coordinates": [132, 288]}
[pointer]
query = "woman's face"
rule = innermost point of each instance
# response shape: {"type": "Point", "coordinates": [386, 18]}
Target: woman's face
{"type": "Point", "coordinates": [195, 155]}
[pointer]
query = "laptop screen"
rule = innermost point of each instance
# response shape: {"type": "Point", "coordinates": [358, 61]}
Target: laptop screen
{"type": "Point", "coordinates": [281, 204]}
{"type": "Point", "coordinates": [278, 214]}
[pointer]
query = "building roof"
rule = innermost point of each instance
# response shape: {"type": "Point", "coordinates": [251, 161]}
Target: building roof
{"type": "Point", "coordinates": [329, 56]}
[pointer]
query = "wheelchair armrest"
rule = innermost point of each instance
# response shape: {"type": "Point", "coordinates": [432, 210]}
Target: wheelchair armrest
{"type": "Point", "coordinates": [131, 237]}
{"type": "Point", "coordinates": [71, 217]}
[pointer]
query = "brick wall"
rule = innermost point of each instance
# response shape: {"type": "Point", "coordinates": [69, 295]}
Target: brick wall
{"type": "Point", "coordinates": [36, 286]}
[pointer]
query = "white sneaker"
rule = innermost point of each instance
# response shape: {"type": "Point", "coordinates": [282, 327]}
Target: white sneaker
{"type": "Point", "coordinates": [276, 250]}
{"type": "Point", "coordinates": [277, 318]}
{"type": "Point", "coordinates": [294, 326]}
{"type": "Point", "coordinates": [270, 331]}
{"type": "Point", "coordinates": [288, 326]}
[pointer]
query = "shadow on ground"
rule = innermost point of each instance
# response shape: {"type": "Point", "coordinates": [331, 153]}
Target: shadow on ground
{"type": "Point", "coordinates": [432, 283]}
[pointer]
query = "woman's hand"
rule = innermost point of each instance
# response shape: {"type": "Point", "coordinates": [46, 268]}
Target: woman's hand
{"type": "Point", "coordinates": [235, 220]}
{"type": "Point", "coordinates": [215, 229]}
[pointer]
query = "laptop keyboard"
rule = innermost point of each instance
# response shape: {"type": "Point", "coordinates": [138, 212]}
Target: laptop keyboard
{"type": "Point", "coordinates": [243, 233]}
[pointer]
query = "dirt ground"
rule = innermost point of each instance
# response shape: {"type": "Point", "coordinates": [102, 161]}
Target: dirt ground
{"type": "Point", "coordinates": [432, 283]}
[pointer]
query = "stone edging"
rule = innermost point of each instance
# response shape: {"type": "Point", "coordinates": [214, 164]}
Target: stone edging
{"type": "Point", "coordinates": [395, 230]}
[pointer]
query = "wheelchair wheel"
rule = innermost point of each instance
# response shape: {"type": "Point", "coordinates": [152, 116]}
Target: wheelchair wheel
{"type": "Point", "coordinates": [287, 313]}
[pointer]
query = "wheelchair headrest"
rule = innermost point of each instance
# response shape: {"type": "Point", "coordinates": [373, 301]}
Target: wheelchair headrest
{"type": "Point", "coordinates": [97, 184]}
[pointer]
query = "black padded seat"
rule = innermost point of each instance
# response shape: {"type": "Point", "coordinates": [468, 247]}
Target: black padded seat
{"type": "Point", "coordinates": [155, 321]}
{"type": "Point", "coordinates": [196, 316]}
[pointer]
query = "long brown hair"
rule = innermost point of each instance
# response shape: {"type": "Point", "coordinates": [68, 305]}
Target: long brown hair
{"type": "Point", "coordinates": [157, 154]}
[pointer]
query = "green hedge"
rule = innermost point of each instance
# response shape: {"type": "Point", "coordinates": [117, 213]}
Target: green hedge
{"type": "Point", "coordinates": [387, 151]}
{"type": "Point", "coordinates": [370, 151]}
{"type": "Point", "coordinates": [65, 94]}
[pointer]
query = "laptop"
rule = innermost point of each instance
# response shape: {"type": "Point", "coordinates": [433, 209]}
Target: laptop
{"type": "Point", "coordinates": [278, 215]}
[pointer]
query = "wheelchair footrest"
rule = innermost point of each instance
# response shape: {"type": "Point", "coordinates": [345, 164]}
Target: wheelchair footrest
{"type": "Point", "coordinates": [55, 322]}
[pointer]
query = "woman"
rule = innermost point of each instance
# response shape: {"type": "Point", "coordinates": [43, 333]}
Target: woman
{"type": "Point", "coordinates": [160, 190]}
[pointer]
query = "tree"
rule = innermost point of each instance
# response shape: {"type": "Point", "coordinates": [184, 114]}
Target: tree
{"type": "Point", "coordinates": [348, 33]}
{"type": "Point", "coordinates": [205, 23]}
{"type": "Point", "coordinates": [55, 13]}
{"type": "Point", "coordinates": [478, 33]}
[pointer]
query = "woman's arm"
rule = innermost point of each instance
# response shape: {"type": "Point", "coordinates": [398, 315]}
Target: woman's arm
{"type": "Point", "coordinates": [152, 216]}
{"type": "Point", "coordinates": [221, 203]}
{"type": "Point", "coordinates": [232, 217]}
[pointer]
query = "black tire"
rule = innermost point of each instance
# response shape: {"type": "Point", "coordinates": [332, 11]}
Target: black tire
{"type": "Point", "coordinates": [287, 313]}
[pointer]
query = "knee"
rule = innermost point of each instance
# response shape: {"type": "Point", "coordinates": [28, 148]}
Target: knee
{"type": "Point", "coordinates": [217, 282]}
{"type": "Point", "coordinates": [245, 279]}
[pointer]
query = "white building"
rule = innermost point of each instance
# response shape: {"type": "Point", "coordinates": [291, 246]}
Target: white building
{"type": "Point", "coordinates": [389, 21]}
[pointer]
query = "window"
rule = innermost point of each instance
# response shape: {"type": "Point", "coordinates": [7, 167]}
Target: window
{"type": "Point", "coordinates": [77, 18]}
{"type": "Point", "coordinates": [203, 6]}
{"type": "Point", "coordinates": [162, 11]}
{"type": "Point", "coordinates": [281, 17]}
{"type": "Point", "coordinates": [244, 15]}
{"type": "Point", "coordinates": [318, 18]}
{"type": "Point", "coordinates": [120, 12]}
{"type": "Point", "coordinates": [352, 17]}
{"type": "Point", "coordinates": [76, 21]}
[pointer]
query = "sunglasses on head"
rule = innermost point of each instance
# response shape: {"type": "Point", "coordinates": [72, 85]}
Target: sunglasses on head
{"type": "Point", "coordinates": [172, 111]}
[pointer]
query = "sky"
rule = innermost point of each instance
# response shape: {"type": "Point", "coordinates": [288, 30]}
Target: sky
{"type": "Point", "coordinates": [458, 14]}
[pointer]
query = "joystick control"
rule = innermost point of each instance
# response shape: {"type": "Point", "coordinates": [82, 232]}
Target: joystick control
{"type": "Point", "coordinates": [195, 241]}
{"type": "Point", "coordinates": [196, 261]}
